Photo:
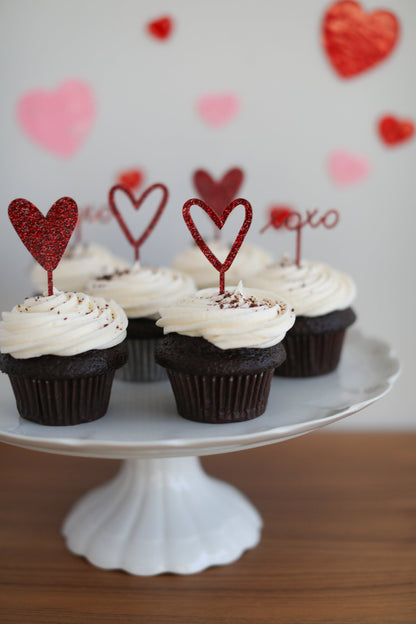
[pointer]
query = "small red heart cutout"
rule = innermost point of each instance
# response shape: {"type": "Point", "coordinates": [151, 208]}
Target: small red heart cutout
{"type": "Point", "coordinates": [45, 237]}
{"type": "Point", "coordinates": [221, 267]}
{"type": "Point", "coordinates": [393, 130]}
{"type": "Point", "coordinates": [160, 28]}
{"type": "Point", "coordinates": [279, 215]}
{"type": "Point", "coordinates": [355, 40]}
{"type": "Point", "coordinates": [131, 178]}
{"type": "Point", "coordinates": [218, 194]}
{"type": "Point", "coordinates": [136, 243]}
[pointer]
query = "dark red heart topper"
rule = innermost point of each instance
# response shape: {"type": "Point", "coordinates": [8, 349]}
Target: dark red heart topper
{"type": "Point", "coordinates": [355, 40]}
{"type": "Point", "coordinates": [45, 237]}
{"type": "Point", "coordinates": [221, 267]}
{"type": "Point", "coordinates": [218, 193]}
{"type": "Point", "coordinates": [136, 243]}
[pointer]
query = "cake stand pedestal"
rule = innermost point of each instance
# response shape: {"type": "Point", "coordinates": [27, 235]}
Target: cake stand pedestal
{"type": "Point", "coordinates": [162, 512]}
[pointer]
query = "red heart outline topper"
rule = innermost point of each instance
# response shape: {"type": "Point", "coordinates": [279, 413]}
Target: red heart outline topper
{"type": "Point", "coordinates": [221, 267]}
{"type": "Point", "coordinates": [218, 193]}
{"type": "Point", "coordinates": [136, 243]}
{"type": "Point", "coordinates": [45, 237]}
{"type": "Point", "coordinates": [355, 40]}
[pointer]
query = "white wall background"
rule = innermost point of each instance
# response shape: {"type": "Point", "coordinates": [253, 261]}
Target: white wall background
{"type": "Point", "coordinates": [294, 111]}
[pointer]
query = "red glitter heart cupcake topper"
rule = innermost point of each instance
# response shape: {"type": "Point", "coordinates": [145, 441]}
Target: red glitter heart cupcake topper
{"type": "Point", "coordinates": [293, 221]}
{"type": "Point", "coordinates": [45, 237]}
{"type": "Point", "coordinates": [219, 221]}
{"type": "Point", "coordinates": [136, 243]}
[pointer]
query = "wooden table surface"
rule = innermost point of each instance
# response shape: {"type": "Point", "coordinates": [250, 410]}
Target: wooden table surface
{"type": "Point", "coordinates": [338, 544]}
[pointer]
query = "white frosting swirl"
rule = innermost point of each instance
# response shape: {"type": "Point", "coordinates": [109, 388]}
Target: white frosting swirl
{"type": "Point", "coordinates": [249, 259]}
{"type": "Point", "coordinates": [142, 291]}
{"type": "Point", "coordinates": [239, 318]}
{"type": "Point", "coordinates": [79, 264]}
{"type": "Point", "coordinates": [313, 288]}
{"type": "Point", "coordinates": [61, 324]}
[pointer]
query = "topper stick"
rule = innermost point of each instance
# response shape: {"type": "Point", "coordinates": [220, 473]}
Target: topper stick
{"type": "Point", "coordinates": [136, 243]}
{"type": "Point", "coordinates": [221, 267]}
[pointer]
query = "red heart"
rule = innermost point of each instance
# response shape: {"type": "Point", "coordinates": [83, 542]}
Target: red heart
{"type": "Point", "coordinates": [355, 40]}
{"type": "Point", "coordinates": [393, 130]}
{"type": "Point", "coordinates": [137, 242]}
{"type": "Point", "coordinates": [45, 237]}
{"type": "Point", "coordinates": [279, 215]}
{"type": "Point", "coordinates": [132, 178]}
{"type": "Point", "coordinates": [219, 222]}
{"type": "Point", "coordinates": [218, 194]}
{"type": "Point", "coordinates": [160, 28]}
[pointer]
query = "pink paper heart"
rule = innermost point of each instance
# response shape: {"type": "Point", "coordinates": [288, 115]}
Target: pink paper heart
{"type": "Point", "coordinates": [218, 110]}
{"type": "Point", "coordinates": [346, 168]}
{"type": "Point", "coordinates": [58, 120]}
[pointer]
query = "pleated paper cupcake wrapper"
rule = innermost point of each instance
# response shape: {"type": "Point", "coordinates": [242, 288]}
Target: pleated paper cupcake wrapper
{"type": "Point", "coordinates": [308, 356]}
{"type": "Point", "coordinates": [63, 401]}
{"type": "Point", "coordinates": [141, 364]}
{"type": "Point", "coordinates": [222, 398]}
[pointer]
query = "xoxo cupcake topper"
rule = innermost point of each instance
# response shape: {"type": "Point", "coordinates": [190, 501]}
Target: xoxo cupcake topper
{"type": "Point", "coordinates": [136, 243]}
{"type": "Point", "coordinates": [219, 221]}
{"type": "Point", "coordinates": [45, 237]}
{"type": "Point", "coordinates": [293, 221]}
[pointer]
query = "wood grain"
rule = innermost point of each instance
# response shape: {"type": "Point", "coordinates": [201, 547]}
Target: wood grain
{"type": "Point", "coordinates": [338, 545]}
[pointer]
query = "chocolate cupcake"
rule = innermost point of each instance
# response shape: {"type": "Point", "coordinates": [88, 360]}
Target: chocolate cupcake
{"type": "Point", "coordinates": [322, 300]}
{"type": "Point", "coordinates": [141, 291]}
{"type": "Point", "coordinates": [221, 350]}
{"type": "Point", "coordinates": [60, 353]}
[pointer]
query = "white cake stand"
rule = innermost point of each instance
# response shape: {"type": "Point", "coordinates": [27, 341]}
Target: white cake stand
{"type": "Point", "coordinates": [162, 512]}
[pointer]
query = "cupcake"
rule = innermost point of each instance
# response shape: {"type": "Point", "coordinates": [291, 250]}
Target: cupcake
{"type": "Point", "coordinates": [79, 264]}
{"type": "Point", "coordinates": [249, 260]}
{"type": "Point", "coordinates": [60, 352]}
{"type": "Point", "coordinates": [221, 350]}
{"type": "Point", "coordinates": [141, 291]}
{"type": "Point", "coordinates": [322, 299]}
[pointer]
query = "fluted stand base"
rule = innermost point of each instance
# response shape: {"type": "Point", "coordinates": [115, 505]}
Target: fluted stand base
{"type": "Point", "coordinates": [162, 515]}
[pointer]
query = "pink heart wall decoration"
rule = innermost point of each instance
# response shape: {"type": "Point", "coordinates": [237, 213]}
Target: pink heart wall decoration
{"type": "Point", "coordinates": [218, 110]}
{"type": "Point", "coordinates": [346, 169]}
{"type": "Point", "coordinates": [58, 120]}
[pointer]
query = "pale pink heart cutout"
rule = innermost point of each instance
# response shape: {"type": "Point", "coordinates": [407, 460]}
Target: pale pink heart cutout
{"type": "Point", "coordinates": [58, 120]}
{"type": "Point", "coordinates": [218, 110]}
{"type": "Point", "coordinates": [346, 169]}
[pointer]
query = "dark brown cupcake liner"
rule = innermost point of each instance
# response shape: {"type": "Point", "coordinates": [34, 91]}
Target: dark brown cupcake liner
{"type": "Point", "coordinates": [308, 356]}
{"type": "Point", "coordinates": [62, 401]}
{"type": "Point", "coordinates": [141, 365]}
{"type": "Point", "coordinates": [220, 398]}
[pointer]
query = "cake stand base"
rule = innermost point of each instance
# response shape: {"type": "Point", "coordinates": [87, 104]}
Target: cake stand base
{"type": "Point", "coordinates": [162, 515]}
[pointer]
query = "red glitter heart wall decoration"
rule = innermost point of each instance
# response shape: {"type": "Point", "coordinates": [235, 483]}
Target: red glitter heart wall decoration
{"type": "Point", "coordinates": [221, 267]}
{"type": "Point", "coordinates": [136, 243]}
{"type": "Point", "coordinates": [45, 237]}
{"type": "Point", "coordinates": [218, 193]}
{"type": "Point", "coordinates": [355, 40]}
{"type": "Point", "coordinates": [393, 131]}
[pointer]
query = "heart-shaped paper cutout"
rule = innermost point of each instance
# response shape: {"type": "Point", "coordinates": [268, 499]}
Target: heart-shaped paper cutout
{"type": "Point", "coordinates": [355, 40]}
{"type": "Point", "coordinates": [219, 221]}
{"type": "Point", "coordinates": [346, 168]}
{"type": "Point", "coordinates": [218, 194]}
{"type": "Point", "coordinates": [136, 243]}
{"type": "Point", "coordinates": [58, 120]}
{"type": "Point", "coordinates": [394, 131]}
{"type": "Point", "coordinates": [131, 178]}
{"type": "Point", "coordinates": [160, 28]}
{"type": "Point", "coordinates": [218, 110]}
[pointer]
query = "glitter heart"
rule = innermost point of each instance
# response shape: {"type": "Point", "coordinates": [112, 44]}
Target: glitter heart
{"type": "Point", "coordinates": [345, 168]}
{"type": "Point", "coordinates": [221, 267]}
{"type": "Point", "coordinates": [58, 120]}
{"type": "Point", "coordinates": [218, 110]}
{"type": "Point", "coordinates": [354, 40]}
{"type": "Point", "coordinates": [160, 28]}
{"type": "Point", "coordinates": [218, 194]}
{"type": "Point", "coordinates": [136, 243]}
{"type": "Point", "coordinates": [393, 130]}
